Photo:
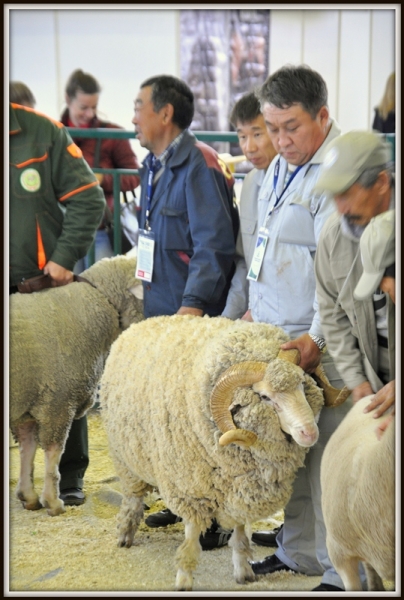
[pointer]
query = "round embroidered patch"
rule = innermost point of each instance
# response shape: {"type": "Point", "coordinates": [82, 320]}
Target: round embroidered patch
{"type": "Point", "coordinates": [30, 180]}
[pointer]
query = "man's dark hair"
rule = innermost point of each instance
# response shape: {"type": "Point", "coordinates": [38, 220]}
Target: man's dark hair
{"type": "Point", "coordinates": [81, 82]}
{"type": "Point", "coordinates": [21, 94]}
{"type": "Point", "coordinates": [246, 110]}
{"type": "Point", "coordinates": [167, 89]}
{"type": "Point", "coordinates": [295, 85]}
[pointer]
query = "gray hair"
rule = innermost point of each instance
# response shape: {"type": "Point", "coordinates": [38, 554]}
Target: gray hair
{"type": "Point", "coordinates": [368, 177]}
{"type": "Point", "coordinates": [295, 85]}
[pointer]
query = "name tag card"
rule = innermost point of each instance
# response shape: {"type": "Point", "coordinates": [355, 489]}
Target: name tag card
{"type": "Point", "coordinates": [258, 255]}
{"type": "Point", "coordinates": [145, 255]}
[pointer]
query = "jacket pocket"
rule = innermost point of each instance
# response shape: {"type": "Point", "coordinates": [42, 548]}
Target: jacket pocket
{"type": "Point", "coordinates": [297, 227]}
{"type": "Point", "coordinates": [175, 230]}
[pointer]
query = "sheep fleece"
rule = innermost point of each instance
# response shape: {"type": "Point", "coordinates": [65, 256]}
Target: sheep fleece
{"type": "Point", "coordinates": [155, 398]}
{"type": "Point", "coordinates": [66, 332]}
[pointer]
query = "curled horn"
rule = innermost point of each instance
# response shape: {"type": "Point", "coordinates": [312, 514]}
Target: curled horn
{"type": "Point", "coordinates": [332, 396]}
{"type": "Point", "coordinates": [239, 375]}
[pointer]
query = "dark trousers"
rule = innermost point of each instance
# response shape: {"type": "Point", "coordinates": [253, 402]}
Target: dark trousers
{"type": "Point", "coordinates": [75, 459]}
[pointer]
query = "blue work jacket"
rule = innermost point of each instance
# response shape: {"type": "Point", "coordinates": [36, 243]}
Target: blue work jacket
{"type": "Point", "coordinates": [195, 222]}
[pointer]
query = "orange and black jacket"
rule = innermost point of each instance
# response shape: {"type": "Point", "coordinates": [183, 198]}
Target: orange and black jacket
{"type": "Point", "coordinates": [55, 202]}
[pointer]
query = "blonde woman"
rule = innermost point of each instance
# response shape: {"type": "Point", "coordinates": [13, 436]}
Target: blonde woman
{"type": "Point", "coordinates": [385, 113]}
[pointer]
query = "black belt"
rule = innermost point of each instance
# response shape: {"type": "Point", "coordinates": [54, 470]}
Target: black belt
{"type": "Point", "coordinates": [382, 341]}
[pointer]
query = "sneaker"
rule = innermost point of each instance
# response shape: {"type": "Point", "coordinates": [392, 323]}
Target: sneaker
{"type": "Point", "coordinates": [72, 496]}
{"type": "Point", "coordinates": [162, 518]}
{"type": "Point", "coordinates": [214, 537]}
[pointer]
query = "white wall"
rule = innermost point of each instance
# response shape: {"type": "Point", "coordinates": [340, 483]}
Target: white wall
{"type": "Point", "coordinates": [354, 48]}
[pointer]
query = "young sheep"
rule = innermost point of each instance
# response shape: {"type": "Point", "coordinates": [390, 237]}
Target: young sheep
{"type": "Point", "coordinates": [204, 410]}
{"type": "Point", "coordinates": [358, 488]}
{"type": "Point", "coordinates": [59, 340]}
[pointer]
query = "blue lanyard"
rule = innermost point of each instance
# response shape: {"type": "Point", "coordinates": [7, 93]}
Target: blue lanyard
{"type": "Point", "coordinates": [149, 190]}
{"type": "Point", "coordinates": [276, 175]}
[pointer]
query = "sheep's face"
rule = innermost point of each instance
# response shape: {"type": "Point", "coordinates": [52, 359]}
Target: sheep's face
{"type": "Point", "coordinates": [283, 388]}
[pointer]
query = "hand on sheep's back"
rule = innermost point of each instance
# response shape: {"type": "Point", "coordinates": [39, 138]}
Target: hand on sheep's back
{"type": "Point", "coordinates": [310, 355]}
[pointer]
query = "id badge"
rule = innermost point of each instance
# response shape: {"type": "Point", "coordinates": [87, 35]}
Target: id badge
{"type": "Point", "coordinates": [258, 256]}
{"type": "Point", "coordinates": [145, 255]}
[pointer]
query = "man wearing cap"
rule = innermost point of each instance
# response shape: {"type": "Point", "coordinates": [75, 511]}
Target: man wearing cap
{"type": "Point", "coordinates": [357, 317]}
{"type": "Point", "coordinates": [379, 271]}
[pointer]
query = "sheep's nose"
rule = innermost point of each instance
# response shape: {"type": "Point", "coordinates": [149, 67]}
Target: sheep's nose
{"type": "Point", "coordinates": [309, 435]}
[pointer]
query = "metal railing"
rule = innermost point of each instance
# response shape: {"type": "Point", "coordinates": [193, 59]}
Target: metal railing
{"type": "Point", "coordinates": [122, 134]}
{"type": "Point", "coordinates": [204, 136]}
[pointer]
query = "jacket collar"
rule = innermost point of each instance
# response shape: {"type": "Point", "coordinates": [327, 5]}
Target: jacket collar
{"type": "Point", "coordinates": [14, 125]}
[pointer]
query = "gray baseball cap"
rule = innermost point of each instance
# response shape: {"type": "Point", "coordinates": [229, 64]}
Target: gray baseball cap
{"type": "Point", "coordinates": [347, 156]}
{"type": "Point", "coordinates": [378, 250]}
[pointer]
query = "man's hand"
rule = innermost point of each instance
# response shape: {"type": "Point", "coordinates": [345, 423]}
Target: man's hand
{"type": "Point", "coordinates": [58, 274]}
{"type": "Point", "coordinates": [247, 316]}
{"type": "Point", "coordinates": [189, 310]}
{"type": "Point", "coordinates": [362, 390]}
{"type": "Point", "coordinates": [310, 355]}
{"type": "Point", "coordinates": [383, 400]}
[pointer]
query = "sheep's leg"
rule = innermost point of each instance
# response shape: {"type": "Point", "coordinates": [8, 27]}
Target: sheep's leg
{"type": "Point", "coordinates": [129, 517]}
{"type": "Point", "coordinates": [50, 493]}
{"type": "Point", "coordinates": [346, 566]}
{"type": "Point", "coordinates": [187, 557]}
{"type": "Point", "coordinates": [25, 435]}
{"type": "Point", "coordinates": [374, 581]}
{"type": "Point", "coordinates": [241, 554]}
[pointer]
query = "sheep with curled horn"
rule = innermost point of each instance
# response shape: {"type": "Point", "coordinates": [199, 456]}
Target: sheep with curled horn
{"type": "Point", "coordinates": [204, 410]}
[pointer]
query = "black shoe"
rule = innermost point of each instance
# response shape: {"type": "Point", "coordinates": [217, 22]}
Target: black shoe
{"type": "Point", "coordinates": [72, 496]}
{"type": "Point", "coordinates": [266, 538]}
{"type": "Point", "coordinates": [270, 564]}
{"type": "Point", "coordinates": [214, 537]}
{"type": "Point", "coordinates": [162, 519]}
{"type": "Point", "coordinates": [327, 587]}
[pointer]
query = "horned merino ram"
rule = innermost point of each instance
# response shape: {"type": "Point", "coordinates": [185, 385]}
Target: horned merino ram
{"type": "Point", "coordinates": [204, 410]}
{"type": "Point", "coordinates": [358, 493]}
{"type": "Point", "coordinates": [59, 340]}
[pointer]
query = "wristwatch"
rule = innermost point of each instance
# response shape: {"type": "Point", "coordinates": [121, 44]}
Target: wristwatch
{"type": "Point", "coordinates": [320, 342]}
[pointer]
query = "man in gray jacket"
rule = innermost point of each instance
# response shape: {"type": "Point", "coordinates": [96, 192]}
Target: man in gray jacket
{"type": "Point", "coordinates": [255, 143]}
{"type": "Point", "coordinates": [290, 216]}
{"type": "Point", "coordinates": [359, 331]}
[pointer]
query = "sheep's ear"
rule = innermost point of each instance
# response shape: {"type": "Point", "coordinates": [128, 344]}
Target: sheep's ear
{"type": "Point", "coordinates": [137, 291]}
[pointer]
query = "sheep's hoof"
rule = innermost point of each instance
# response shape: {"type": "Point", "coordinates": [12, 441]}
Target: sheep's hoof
{"type": "Point", "coordinates": [125, 542]}
{"type": "Point", "coordinates": [34, 505]}
{"type": "Point", "coordinates": [183, 581]}
{"type": "Point", "coordinates": [54, 512]}
{"type": "Point", "coordinates": [246, 579]}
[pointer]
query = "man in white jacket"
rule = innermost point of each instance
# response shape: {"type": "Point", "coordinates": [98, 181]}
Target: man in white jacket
{"type": "Point", "coordinates": [282, 287]}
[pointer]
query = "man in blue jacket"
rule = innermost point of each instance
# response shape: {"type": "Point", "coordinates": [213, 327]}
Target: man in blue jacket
{"type": "Point", "coordinates": [188, 214]}
{"type": "Point", "coordinates": [189, 221]}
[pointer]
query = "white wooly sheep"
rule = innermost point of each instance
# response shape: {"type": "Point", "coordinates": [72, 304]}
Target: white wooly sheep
{"type": "Point", "coordinates": [59, 340]}
{"type": "Point", "coordinates": [358, 490]}
{"type": "Point", "coordinates": [204, 410]}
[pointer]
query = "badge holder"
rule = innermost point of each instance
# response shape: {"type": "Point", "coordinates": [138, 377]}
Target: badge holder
{"type": "Point", "coordinates": [258, 256]}
{"type": "Point", "coordinates": [145, 255]}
